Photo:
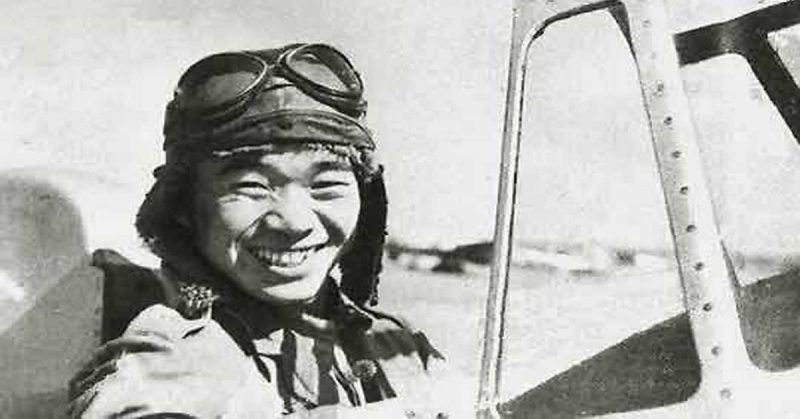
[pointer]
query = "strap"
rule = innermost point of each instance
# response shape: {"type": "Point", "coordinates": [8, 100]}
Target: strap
{"type": "Point", "coordinates": [127, 290]}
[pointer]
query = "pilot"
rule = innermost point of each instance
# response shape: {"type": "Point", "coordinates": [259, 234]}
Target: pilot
{"type": "Point", "coordinates": [269, 217]}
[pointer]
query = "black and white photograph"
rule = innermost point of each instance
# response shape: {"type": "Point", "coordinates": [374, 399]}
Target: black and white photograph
{"type": "Point", "coordinates": [400, 209]}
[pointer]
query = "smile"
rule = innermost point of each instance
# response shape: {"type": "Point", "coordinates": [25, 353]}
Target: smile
{"type": "Point", "coordinates": [289, 258]}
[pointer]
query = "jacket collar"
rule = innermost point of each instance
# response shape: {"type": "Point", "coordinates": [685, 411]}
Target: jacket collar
{"type": "Point", "coordinates": [198, 289]}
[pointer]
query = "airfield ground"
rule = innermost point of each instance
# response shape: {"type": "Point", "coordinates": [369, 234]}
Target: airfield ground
{"type": "Point", "coordinates": [555, 320]}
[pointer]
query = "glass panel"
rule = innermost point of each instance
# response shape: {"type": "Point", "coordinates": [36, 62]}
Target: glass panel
{"type": "Point", "coordinates": [752, 162]}
{"type": "Point", "coordinates": [593, 258]}
{"type": "Point", "coordinates": [786, 42]}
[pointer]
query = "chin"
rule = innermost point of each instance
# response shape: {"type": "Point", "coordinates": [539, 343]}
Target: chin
{"type": "Point", "coordinates": [284, 285]}
{"type": "Point", "coordinates": [295, 292]}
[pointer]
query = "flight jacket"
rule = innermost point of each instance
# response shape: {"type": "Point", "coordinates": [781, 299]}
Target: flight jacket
{"type": "Point", "coordinates": [196, 354]}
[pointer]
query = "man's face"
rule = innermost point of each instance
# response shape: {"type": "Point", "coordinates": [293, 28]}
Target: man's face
{"type": "Point", "coordinates": [275, 222]}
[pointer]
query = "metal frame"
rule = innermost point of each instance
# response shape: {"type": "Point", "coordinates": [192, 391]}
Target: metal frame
{"type": "Point", "coordinates": [747, 36]}
{"type": "Point", "coordinates": [729, 379]}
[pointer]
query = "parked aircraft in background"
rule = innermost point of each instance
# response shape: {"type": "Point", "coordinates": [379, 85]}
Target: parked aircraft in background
{"type": "Point", "coordinates": [567, 257]}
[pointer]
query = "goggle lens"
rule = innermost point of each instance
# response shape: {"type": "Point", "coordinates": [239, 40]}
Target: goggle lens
{"type": "Point", "coordinates": [326, 68]}
{"type": "Point", "coordinates": [220, 84]}
{"type": "Point", "coordinates": [217, 81]}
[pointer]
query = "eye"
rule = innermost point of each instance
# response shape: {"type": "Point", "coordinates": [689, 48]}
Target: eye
{"type": "Point", "coordinates": [325, 189]}
{"type": "Point", "coordinates": [250, 188]}
{"type": "Point", "coordinates": [322, 184]}
{"type": "Point", "coordinates": [250, 184]}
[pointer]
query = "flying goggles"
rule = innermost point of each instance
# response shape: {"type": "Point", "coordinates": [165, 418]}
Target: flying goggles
{"type": "Point", "coordinates": [221, 86]}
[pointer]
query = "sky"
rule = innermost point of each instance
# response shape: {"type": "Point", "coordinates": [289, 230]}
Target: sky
{"type": "Point", "coordinates": [86, 82]}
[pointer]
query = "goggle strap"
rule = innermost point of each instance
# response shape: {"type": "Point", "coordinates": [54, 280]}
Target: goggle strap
{"type": "Point", "coordinates": [209, 137]}
{"type": "Point", "coordinates": [350, 102]}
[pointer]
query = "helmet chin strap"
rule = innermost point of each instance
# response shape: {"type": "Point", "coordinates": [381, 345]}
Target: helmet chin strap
{"type": "Point", "coordinates": [363, 263]}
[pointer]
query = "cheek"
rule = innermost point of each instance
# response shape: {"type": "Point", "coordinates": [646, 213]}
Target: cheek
{"type": "Point", "coordinates": [342, 216]}
{"type": "Point", "coordinates": [223, 220]}
{"type": "Point", "coordinates": [238, 216]}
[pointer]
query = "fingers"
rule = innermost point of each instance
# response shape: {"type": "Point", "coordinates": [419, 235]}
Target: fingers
{"type": "Point", "coordinates": [135, 344]}
{"type": "Point", "coordinates": [80, 384]}
{"type": "Point", "coordinates": [104, 363]}
{"type": "Point", "coordinates": [77, 405]}
{"type": "Point", "coordinates": [128, 344]}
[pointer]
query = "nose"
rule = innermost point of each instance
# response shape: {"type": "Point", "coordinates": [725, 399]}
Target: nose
{"type": "Point", "coordinates": [291, 215]}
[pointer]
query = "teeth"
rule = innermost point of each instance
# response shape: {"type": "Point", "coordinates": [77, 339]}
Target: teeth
{"type": "Point", "coordinates": [286, 259]}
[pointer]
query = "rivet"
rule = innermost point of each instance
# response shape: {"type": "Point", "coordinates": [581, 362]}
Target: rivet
{"type": "Point", "coordinates": [668, 120]}
{"type": "Point", "coordinates": [726, 393]}
{"type": "Point", "coordinates": [690, 228]}
{"type": "Point", "coordinates": [684, 190]}
{"type": "Point", "coordinates": [716, 351]}
{"type": "Point", "coordinates": [707, 307]}
{"type": "Point", "coordinates": [660, 88]}
{"type": "Point", "coordinates": [646, 23]}
{"type": "Point", "coordinates": [699, 266]}
{"type": "Point", "coordinates": [676, 154]}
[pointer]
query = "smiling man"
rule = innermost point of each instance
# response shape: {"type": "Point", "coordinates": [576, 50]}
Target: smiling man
{"type": "Point", "coordinates": [269, 218]}
{"type": "Point", "coordinates": [275, 222]}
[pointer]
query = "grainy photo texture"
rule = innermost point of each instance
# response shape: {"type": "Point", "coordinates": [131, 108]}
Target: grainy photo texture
{"type": "Point", "coordinates": [374, 209]}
